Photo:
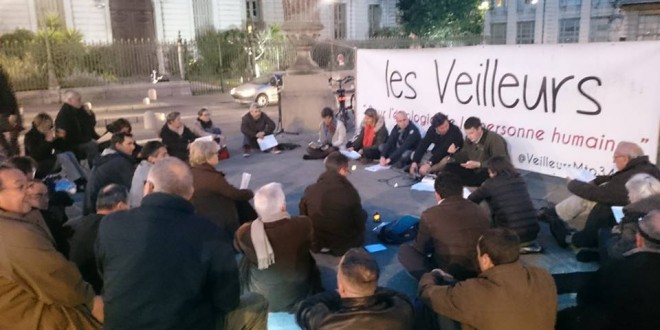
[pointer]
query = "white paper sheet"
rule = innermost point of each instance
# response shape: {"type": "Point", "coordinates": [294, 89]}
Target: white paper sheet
{"type": "Point", "coordinates": [466, 192]}
{"type": "Point", "coordinates": [376, 168]}
{"type": "Point", "coordinates": [267, 142]}
{"type": "Point", "coordinates": [617, 211]}
{"type": "Point", "coordinates": [205, 138]}
{"type": "Point", "coordinates": [580, 174]}
{"type": "Point", "coordinates": [350, 154]}
{"type": "Point", "coordinates": [245, 180]}
{"type": "Point", "coordinates": [423, 186]}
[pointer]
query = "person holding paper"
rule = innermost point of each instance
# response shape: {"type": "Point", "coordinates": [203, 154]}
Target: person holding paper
{"type": "Point", "coordinates": [596, 198]}
{"type": "Point", "coordinates": [176, 136]}
{"type": "Point", "coordinates": [442, 134]}
{"type": "Point", "coordinates": [214, 198]}
{"type": "Point", "coordinates": [401, 143]}
{"type": "Point", "coordinates": [255, 125]}
{"type": "Point", "coordinates": [372, 134]}
{"type": "Point", "coordinates": [204, 126]}
{"type": "Point", "coordinates": [332, 136]}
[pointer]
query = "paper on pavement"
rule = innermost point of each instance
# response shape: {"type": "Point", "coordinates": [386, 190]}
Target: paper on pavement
{"type": "Point", "coordinates": [352, 154]}
{"type": "Point", "coordinates": [267, 142]}
{"type": "Point", "coordinates": [376, 168]}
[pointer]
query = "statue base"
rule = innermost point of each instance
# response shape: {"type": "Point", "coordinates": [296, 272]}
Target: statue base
{"type": "Point", "coordinates": [303, 98]}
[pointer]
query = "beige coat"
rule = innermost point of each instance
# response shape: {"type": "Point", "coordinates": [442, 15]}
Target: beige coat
{"type": "Point", "coordinates": [39, 288]}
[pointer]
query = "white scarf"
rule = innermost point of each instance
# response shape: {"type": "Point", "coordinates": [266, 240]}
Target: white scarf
{"type": "Point", "coordinates": [262, 247]}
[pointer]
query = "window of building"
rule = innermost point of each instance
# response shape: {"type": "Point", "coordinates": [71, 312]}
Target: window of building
{"type": "Point", "coordinates": [498, 33]}
{"type": "Point", "coordinates": [569, 30]}
{"type": "Point", "coordinates": [253, 9]}
{"type": "Point", "coordinates": [599, 29]}
{"type": "Point", "coordinates": [340, 20]}
{"type": "Point", "coordinates": [375, 17]}
{"type": "Point", "coordinates": [203, 15]}
{"type": "Point", "coordinates": [49, 8]}
{"type": "Point", "coordinates": [570, 3]}
{"type": "Point", "coordinates": [648, 27]}
{"type": "Point", "coordinates": [525, 33]}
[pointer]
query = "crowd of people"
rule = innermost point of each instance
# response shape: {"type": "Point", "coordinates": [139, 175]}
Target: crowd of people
{"type": "Point", "coordinates": [162, 230]}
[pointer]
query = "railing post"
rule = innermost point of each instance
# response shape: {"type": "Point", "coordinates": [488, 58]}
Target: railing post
{"type": "Point", "coordinates": [179, 50]}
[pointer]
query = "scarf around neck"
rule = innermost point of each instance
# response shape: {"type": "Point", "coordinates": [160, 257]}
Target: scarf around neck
{"type": "Point", "coordinates": [206, 126]}
{"type": "Point", "coordinates": [262, 246]}
{"type": "Point", "coordinates": [369, 136]}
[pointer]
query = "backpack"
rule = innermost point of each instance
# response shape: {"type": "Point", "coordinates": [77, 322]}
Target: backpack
{"type": "Point", "coordinates": [400, 230]}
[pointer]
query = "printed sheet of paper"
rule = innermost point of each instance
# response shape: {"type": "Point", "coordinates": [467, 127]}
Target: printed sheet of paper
{"type": "Point", "coordinates": [267, 142]}
{"type": "Point", "coordinates": [423, 186]}
{"type": "Point", "coordinates": [205, 138]}
{"type": "Point", "coordinates": [245, 180]}
{"type": "Point", "coordinates": [617, 211]}
{"type": "Point", "coordinates": [466, 192]}
{"type": "Point", "coordinates": [376, 168]}
{"type": "Point", "coordinates": [580, 174]}
{"type": "Point", "coordinates": [350, 154]}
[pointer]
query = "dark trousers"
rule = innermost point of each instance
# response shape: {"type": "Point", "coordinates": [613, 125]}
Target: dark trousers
{"type": "Point", "coordinates": [571, 282]}
{"type": "Point", "coordinates": [415, 263]}
{"type": "Point", "coordinates": [313, 153]}
{"type": "Point", "coordinates": [367, 152]}
{"type": "Point", "coordinates": [599, 217]}
{"type": "Point", "coordinates": [469, 178]}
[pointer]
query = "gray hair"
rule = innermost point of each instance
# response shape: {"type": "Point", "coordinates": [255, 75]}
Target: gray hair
{"type": "Point", "coordinates": [70, 94]}
{"type": "Point", "coordinates": [629, 149]}
{"type": "Point", "coordinates": [110, 196]}
{"type": "Point", "coordinates": [172, 116]}
{"type": "Point", "coordinates": [202, 151]}
{"type": "Point", "coordinates": [269, 199]}
{"type": "Point", "coordinates": [254, 105]}
{"type": "Point", "coordinates": [642, 185]}
{"type": "Point", "coordinates": [171, 176]}
{"type": "Point", "coordinates": [649, 229]}
{"type": "Point", "coordinates": [400, 113]}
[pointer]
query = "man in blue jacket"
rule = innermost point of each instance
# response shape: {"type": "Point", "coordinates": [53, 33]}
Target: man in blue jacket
{"type": "Point", "coordinates": [401, 143]}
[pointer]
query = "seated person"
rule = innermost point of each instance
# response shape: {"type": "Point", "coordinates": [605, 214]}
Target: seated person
{"type": "Point", "coordinates": [358, 302]}
{"type": "Point", "coordinates": [442, 133]}
{"type": "Point", "coordinates": [401, 143]}
{"type": "Point", "coordinates": [111, 198]}
{"type": "Point", "coordinates": [372, 134]}
{"type": "Point", "coordinates": [114, 166]}
{"type": "Point", "coordinates": [334, 206]}
{"type": "Point", "coordinates": [54, 218]}
{"type": "Point", "coordinates": [75, 124]}
{"type": "Point", "coordinates": [644, 194]}
{"type": "Point", "coordinates": [480, 145]}
{"type": "Point", "coordinates": [176, 136]}
{"type": "Point", "coordinates": [506, 295]}
{"type": "Point", "coordinates": [204, 126]}
{"type": "Point", "coordinates": [41, 143]}
{"type": "Point", "coordinates": [276, 261]}
{"type": "Point", "coordinates": [448, 232]}
{"type": "Point", "coordinates": [332, 136]}
{"type": "Point", "coordinates": [624, 293]}
{"type": "Point", "coordinates": [40, 288]}
{"type": "Point", "coordinates": [152, 152]}
{"type": "Point", "coordinates": [596, 199]}
{"type": "Point", "coordinates": [121, 125]}
{"type": "Point", "coordinates": [255, 125]}
{"type": "Point", "coordinates": [507, 196]}
{"type": "Point", "coordinates": [214, 198]}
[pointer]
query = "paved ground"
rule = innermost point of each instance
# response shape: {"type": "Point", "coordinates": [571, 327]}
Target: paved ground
{"type": "Point", "coordinates": [376, 189]}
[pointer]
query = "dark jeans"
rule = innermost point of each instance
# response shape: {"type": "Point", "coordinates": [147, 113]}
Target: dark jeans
{"type": "Point", "coordinates": [571, 282]}
{"type": "Point", "coordinates": [251, 313]}
{"type": "Point", "coordinates": [367, 152]}
{"type": "Point", "coordinates": [469, 178]}
{"type": "Point", "coordinates": [415, 263]}
{"type": "Point", "coordinates": [319, 153]}
{"type": "Point", "coordinates": [599, 217]}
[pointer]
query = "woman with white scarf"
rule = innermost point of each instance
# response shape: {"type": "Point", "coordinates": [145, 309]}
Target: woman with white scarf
{"type": "Point", "coordinates": [276, 261]}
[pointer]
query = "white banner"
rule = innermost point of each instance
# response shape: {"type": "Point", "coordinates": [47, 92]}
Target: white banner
{"type": "Point", "coordinates": [560, 107]}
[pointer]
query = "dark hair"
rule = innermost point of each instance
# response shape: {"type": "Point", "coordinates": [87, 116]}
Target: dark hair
{"type": "Point", "coordinates": [150, 148]}
{"type": "Point", "coordinates": [119, 124]}
{"type": "Point", "coordinates": [119, 138]}
{"type": "Point", "coordinates": [336, 161]}
{"type": "Point", "coordinates": [501, 244]}
{"type": "Point", "coordinates": [472, 122]}
{"type": "Point", "coordinates": [371, 112]}
{"type": "Point", "coordinates": [327, 112]}
{"type": "Point", "coordinates": [40, 118]}
{"type": "Point", "coordinates": [448, 185]}
{"type": "Point", "coordinates": [500, 165]}
{"type": "Point", "coordinates": [111, 195]}
{"type": "Point", "coordinates": [25, 164]}
{"type": "Point", "coordinates": [361, 270]}
{"type": "Point", "coordinates": [201, 111]}
{"type": "Point", "coordinates": [438, 119]}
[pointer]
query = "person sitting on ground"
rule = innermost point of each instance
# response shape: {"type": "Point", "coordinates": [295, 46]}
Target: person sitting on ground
{"type": "Point", "coordinates": [507, 196]}
{"type": "Point", "coordinates": [332, 136]}
{"type": "Point", "coordinates": [53, 217]}
{"type": "Point", "coordinates": [41, 143]}
{"type": "Point", "coordinates": [401, 143]}
{"type": "Point", "coordinates": [448, 232]}
{"type": "Point", "coordinates": [176, 136]}
{"type": "Point", "coordinates": [644, 194]}
{"type": "Point", "coordinates": [204, 126]}
{"type": "Point", "coordinates": [442, 133]}
{"type": "Point", "coordinates": [596, 199]}
{"type": "Point", "coordinates": [40, 288]}
{"type": "Point", "coordinates": [214, 198]}
{"type": "Point", "coordinates": [114, 166]}
{"type": "Point", "coordinates": [152, 152]}
{"type": "Point", "coordinates": [255, 125]}
{"type": "Point", "coordinates": [163, 267]}
{"type": "Point", "coordinates": [480, 145]}
{"type": "Point", "coordinates": [358, 302]}
{"type": "Point", "coordinates": [121, 125]}
{"type": "Point", "coordinates": [372, 134]}
{"type": "Point", "coordinates": [624, 293]}
{"type": "Point", "coordinates": [276, 260]}
{"type": "Point", "coordinates": [506, 295]}
{"type": "Point", "coordinates": [75, 124]}
{"type": "Point", "coordinates": [111, 198]}
{"type": "Point", "coordinates": [335, 208]}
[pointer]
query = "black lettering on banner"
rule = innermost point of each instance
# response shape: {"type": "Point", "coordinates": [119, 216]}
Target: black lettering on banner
{"type": "Point", "coordinates": [459, 82]}
{"type": "Point", "coordinates": [515, 83]}
{"type": "Point", "coordinates": [542, 94]}
{"type": "Point", "coordinates": [412, 89]}
{"type": "Point", "coordinates": [555, 91]}
{"type": "Point", "coordinates": [598, 107]}
{"type": "Point", "coordinates": [442, 90]}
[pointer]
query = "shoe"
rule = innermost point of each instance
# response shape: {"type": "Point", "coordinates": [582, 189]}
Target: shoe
{"type": "Point", "coordinates": [586, 255]}
{"type": "Point", "coordinates": [531, 248]}
{"type": "Point", "coordinates": [307, 157]}
{"type": "Point", "coordinates": [274, 150]}
{"type": "Point", "coordinates": [559, 231]}
{"type": "Point", "coordinates": [546, 213]}
{"type": "Point", "coordinates": [246, 151]}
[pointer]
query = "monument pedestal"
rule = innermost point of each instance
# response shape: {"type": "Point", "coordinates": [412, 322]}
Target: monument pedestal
{"type": "Point", "coordinates": [303, 97]}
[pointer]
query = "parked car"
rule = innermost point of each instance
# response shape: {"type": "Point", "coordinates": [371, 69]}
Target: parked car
{"type": "Point", "coordinates": [258, 90]}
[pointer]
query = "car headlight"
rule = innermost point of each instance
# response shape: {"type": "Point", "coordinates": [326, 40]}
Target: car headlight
{"type": "Point", "coordinates": [232, 91]}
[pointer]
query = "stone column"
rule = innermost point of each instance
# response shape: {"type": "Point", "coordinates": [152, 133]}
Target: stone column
{"type": "Point", "coordinates": [302, 26]}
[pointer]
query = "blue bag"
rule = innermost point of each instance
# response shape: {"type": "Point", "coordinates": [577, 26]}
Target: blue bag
{"type": "Point", "coordinates": [399, 231]}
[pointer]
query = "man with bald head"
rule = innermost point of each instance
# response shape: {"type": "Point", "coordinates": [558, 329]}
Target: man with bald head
{"type": "Point", "coordinates": [164, 267]}
{"type": "Point", "coordinates": [75, 125]}
{"type": "Point", "coordinates": [596, 199]}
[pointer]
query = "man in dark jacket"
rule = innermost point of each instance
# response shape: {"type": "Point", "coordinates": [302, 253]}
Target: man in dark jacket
{"type": "Point", "coordinates": [75, 124]}
{"type": "Point", "coordinates": [255, 125]}
{"type": "Point", "coordinates": [442, 134]}
{"type": "Point", "coordinates": [401, 143]}
{"type": "Point", "coordinates": [335, 208]}
{"type": "Point", "coordinates": [164, 267]}
{"type": "Point", "coordinates": [114, 166]}
{"type": "Point", "coordinates": [176, 136]}
{"type": "Point", "coordinates": [448, 231]}
{"type": "Point", "coordinates": [596, 198]}
{"type": "Point", "coordinates": [358, 302]}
